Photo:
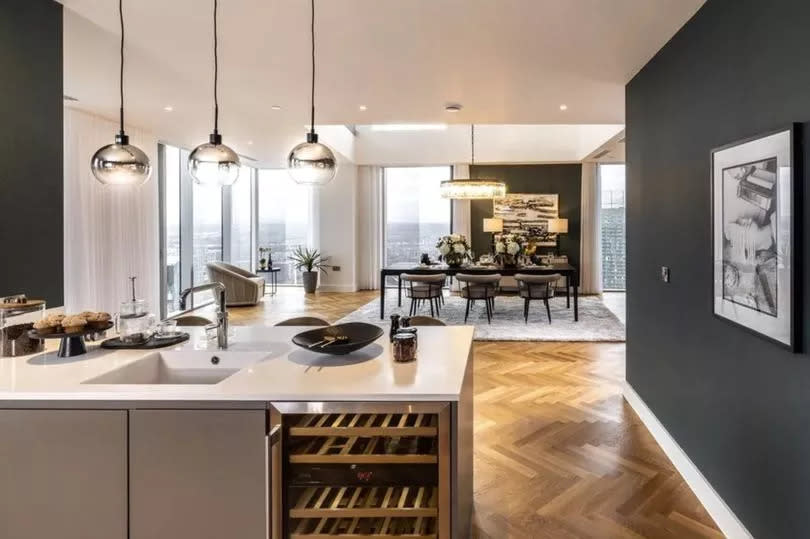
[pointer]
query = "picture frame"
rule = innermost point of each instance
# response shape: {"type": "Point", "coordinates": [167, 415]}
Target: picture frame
{"type": "Point", "coordinates": [755, 227]}
{"type": "Point", "coordinates": [527, 215]}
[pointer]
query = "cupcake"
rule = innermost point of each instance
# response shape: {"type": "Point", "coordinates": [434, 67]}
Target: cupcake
{"type": "Point", "coordinates": [74, 324]}
{"type": "Point", "coordinates": [45, 326]}
{"type": "Point", "coordinates": [98, 320]}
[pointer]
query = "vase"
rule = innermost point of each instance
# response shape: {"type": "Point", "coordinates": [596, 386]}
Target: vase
{"type": "Point", "coordinates": [310, 280]}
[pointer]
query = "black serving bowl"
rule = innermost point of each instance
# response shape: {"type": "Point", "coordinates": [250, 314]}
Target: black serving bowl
{"type": "Point", "coordinates": [360, 334]}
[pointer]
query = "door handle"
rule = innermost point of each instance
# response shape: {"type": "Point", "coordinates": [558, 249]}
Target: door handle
{"type": "Point", "coordinates": [274, 435]}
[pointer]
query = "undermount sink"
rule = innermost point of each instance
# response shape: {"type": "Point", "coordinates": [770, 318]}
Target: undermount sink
{"type": "Point", "coordinates": [181, 367]}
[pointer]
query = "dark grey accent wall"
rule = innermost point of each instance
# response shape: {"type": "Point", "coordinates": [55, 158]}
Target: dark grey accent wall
{"type": "Point", "coordinates": [738, 405]}
{"type": "Point", "coordinates": [31, 149]}
{"type": "Point", "coordinates": [564, 180]}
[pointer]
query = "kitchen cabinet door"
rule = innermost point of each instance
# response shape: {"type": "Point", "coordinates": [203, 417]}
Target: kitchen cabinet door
{"type": "Point", "coordinates": [198, 474]}
{"type": "Point", "coordinates": [63, 473]}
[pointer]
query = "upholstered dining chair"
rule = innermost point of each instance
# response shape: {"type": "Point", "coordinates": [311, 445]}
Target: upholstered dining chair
{"type": "Point", "coordinates": [475, 287]}
{"type": "Point", "coordinates": [425, 321]}
{"type": "Point", "coordinates": [304, 321]}
{"type": "Point", "coordinates": [192, 320]}
{"type": "Point", "coordinates": [536, 287]}
{"type": "Point", "coordinates": [421, 288]}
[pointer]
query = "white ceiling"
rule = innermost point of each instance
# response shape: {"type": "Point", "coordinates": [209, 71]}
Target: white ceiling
{"type": "Point", "coordinates": [506, 61]}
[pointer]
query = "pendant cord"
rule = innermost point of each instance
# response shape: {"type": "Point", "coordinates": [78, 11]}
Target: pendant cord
{"type": "Point", "coordinates": [121, 67]}
{"type": "Point", "coordinates": [216, 71]}
{"type": "Point", "coordinates": [312, 94]}
{"type": "Point", "coordinates": [472, 143]}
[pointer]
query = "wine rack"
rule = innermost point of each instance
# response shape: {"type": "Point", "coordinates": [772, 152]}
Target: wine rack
{"type": "Point", "coordinates": [370, 471]}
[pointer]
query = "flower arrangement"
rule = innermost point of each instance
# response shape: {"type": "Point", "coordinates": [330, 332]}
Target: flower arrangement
{"type": "Point", "coordinates": [453, 249]}
{"type": "Point", "coordinates": [508, 247]}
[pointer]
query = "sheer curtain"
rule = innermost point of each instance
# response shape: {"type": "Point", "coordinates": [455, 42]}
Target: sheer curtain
{"type": "Point", "coordinates": [369, 226]}
{"type": "Point", "coordinates": [110, 233]}
{"type": "Point", "coordinates": [591, 255]}
{"type": "Point", "coordinates": [462, 222]}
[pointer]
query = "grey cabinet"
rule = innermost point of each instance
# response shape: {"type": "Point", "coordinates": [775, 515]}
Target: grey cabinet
{"type": "Point", "coordinates": [63, 473]}
{"type": "Point", "coordinates": [198, 474]}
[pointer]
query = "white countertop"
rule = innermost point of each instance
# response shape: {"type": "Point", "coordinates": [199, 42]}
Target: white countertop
{"type": "Point", "coordinates": [288, 372]}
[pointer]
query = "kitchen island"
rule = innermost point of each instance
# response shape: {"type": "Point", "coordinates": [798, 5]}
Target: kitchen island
{"type": "Point", "coordinates": [264, 439]}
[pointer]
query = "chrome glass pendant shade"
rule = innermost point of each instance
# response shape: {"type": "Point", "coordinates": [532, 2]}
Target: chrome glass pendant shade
{"type": "Point", "coordinates": [468, 189]}
{"type": "Point", "coordinates": [312, 163]}
{"type": "Point", "coordinates": [212, 163]}
{"type": "Point", "coordinates": [121, 163]}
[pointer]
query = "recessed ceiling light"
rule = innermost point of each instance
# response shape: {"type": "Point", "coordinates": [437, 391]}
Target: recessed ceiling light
{"type": "Point", "coordinates": [168, 108]}
{"type": "Point", "coordinates": [276, 107]}
{"type": "Point", "coordinates": [363, 107]}
{"type": "Point", "coordinates": [453, 107]}
{"type": "Point", "coordinates": [563, 107]}
{"type": "Point", "coordinates": [250, 143]}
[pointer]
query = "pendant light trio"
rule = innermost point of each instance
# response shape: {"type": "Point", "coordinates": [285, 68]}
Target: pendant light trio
{"type": "Point", "coordinates": [211, 163]}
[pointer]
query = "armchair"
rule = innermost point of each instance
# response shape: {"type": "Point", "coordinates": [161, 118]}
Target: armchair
{"type": "Point", "coordinates": [241, 286]}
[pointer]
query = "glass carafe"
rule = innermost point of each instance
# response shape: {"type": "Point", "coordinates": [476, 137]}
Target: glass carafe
{"type": "Point", "coordinates": [133, 323]}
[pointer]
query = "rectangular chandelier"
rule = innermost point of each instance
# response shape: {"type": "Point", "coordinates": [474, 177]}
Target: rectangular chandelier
{"type": "Point", "coordinates": [472, 189]}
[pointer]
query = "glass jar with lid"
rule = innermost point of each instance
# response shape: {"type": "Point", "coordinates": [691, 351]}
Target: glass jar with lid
{"type": "Point", "coordinates": [17, 317]}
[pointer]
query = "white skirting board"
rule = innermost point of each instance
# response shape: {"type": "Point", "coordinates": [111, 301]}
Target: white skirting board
{"type": "Point", "coordinates": [725, 519]}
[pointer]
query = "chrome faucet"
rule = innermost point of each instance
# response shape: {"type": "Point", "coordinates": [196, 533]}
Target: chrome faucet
{"type": "Point", "coordinates": [222, 311]}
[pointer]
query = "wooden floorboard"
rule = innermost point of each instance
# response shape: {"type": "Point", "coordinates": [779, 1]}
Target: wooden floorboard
{"type": "Point", "coordinates": [558, 452]}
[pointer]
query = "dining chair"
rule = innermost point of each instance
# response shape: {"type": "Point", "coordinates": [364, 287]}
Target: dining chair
{"type": "Point", "coordinates": [304, 321]}
{"type": "Point", "coordinates": [536, 287]}
{"type": "Point", "coordinates": [424, 321]}
{"type": "Point", "coordinates": [421, 288]}
{"type": "Point", "coordinates": [476, 287]}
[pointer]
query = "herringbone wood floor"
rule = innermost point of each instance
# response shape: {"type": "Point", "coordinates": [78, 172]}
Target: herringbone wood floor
{"type": "Point", "coordinates": [558, 452]}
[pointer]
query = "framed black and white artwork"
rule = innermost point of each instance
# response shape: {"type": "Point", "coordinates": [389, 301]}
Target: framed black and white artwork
{"type": "Point", "coordinates": [753, 234]}
{"type": "Point", "coordinates": [527, 215]}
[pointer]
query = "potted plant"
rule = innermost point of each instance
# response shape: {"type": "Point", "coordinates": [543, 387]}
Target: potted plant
{"type": "Point", "coordinates": [264, 254]}
{"type": "Point", "coordinates": [310, 262]}
{"type": "Point", "coordinates": [508, 248]}
{"type": "Point", "coordinates": [453, 249]}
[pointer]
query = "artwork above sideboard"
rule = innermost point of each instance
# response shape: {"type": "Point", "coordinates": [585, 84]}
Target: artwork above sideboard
{"type": "Point", "coordinates": [527, 215]}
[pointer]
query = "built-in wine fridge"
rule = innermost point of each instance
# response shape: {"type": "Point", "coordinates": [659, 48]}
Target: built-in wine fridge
{"type": "Point", "coordinates": [352, 470]}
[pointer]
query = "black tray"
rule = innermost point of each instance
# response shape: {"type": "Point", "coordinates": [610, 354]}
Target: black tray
{"type": "Point", "coordinates": [116, 344]}
{"type": "Point", "coordinates": [360, 334]}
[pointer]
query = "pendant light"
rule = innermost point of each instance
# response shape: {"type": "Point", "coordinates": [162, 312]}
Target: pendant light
{"type": "Point", "coordinates": [312, 163]}
{"type": "Point", "coordinates": [472, 189]}
{"type": "Point", "coordinates": [121, 163]}
{"type": "Point", "coordinates": [213, 163]}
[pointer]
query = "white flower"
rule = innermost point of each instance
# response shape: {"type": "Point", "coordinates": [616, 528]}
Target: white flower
{"type": "Point", "coordinates": [512, 248]}
{"type": "Point", "coordinates": [444, 249]}
{"type": "Point", "coordinates": [459, 248]}
{"type": "Point", "coordinates": [500, 247]}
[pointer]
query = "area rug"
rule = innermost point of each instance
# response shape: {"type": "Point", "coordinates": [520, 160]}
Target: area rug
{"type": "Point", "coordinates": [596, 322]}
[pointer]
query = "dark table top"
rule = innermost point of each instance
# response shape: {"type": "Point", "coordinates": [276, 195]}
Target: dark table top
{"type": "Point", "coordinates": [395, 269]}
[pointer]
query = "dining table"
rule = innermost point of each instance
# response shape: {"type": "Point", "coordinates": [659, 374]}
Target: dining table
{"type": "Point", "coordinates": [566, 270]}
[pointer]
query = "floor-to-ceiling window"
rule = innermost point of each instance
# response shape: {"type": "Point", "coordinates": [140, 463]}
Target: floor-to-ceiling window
{"type": "Point", "coordinates": [285, 219]}
{"type": "Point", "coordinates": [172, 234]}
{"type": "Point", "coordinates": [416, 215]}
{"type": "Point", "coordinates": [612, 217]}
{"type": "Point", "coordinates": [241, 217]}
{"type": "Point", "coordinates": [194, 227]}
